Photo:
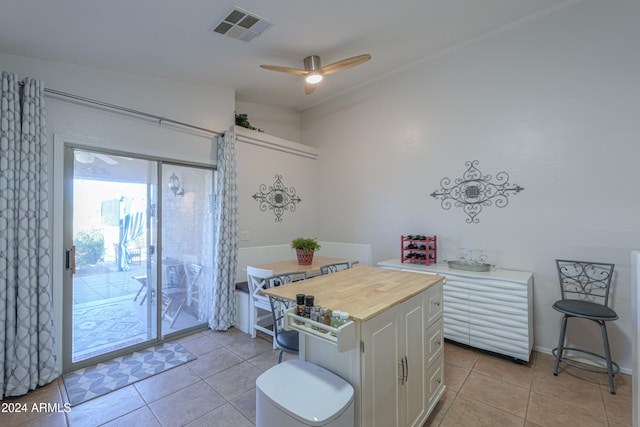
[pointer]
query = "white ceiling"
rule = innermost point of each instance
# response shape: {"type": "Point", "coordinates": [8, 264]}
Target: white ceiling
{"type": "Point", "coordinates": [173, 39]}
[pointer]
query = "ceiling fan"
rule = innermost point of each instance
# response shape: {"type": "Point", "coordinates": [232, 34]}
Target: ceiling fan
{"type": "Point", "coordinates": [87, 157]}
{"type": "Point", "coordinates": [314, 72]}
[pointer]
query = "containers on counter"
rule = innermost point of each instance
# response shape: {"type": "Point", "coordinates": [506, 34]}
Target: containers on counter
{"type": "Point", "coordinates": [305, 308]}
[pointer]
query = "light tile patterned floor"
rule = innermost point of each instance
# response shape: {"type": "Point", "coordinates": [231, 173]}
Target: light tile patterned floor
{"type": "Point", "coordinates": [218, 389]}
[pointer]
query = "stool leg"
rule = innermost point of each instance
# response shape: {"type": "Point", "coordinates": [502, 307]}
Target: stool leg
{"type": "Point", "coordinates": [607, 355]}
{"type": "Point", "coordinates": [563, 329]}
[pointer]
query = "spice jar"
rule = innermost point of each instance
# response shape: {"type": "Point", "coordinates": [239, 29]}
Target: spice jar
{"type": "Point", "coordinates": [335, 320]}
{"type": "Point", "coordinates": [315, 315]}
{"type": "Point", "coordinates": [344, 317]}
{"type": "Point", "coordinates": [300, 304]}
{"type": "Point", "coordinates": [308, 303]}
{"type": "Point", "coordinates": [325, 316]}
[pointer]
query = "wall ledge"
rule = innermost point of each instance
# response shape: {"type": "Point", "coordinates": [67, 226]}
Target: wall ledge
{"type": "Point", "coordinates": [262, 139]}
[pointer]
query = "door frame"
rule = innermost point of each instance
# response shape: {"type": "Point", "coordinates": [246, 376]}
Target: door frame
{"type": "Point", "coordinates": [62, 193]}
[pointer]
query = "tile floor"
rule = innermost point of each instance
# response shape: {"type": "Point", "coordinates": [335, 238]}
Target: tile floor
{"type": "Point", "coordinates": [218, 389]}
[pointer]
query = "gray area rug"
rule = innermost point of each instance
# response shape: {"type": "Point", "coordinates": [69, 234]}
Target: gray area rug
{"type": "Point", "coordinates": [97, 325]}
{"type": "Point", "coordinates": [87, 383]}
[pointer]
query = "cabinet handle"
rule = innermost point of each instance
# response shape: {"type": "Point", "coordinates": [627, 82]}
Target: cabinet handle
{"type": "Point", "coordinates": [437, 303]}
{"type": "Point", "coordinates": [402, 377]}
{"type": "Point", "coordinates": [438, 342]}
{"type": "Point", "coordinates": [439, 380]}
{"type": "Point", "coordinates": [406, 362]}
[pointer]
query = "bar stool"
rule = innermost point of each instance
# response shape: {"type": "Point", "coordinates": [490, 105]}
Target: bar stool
{"type": "Point", "coordinates": [584, 287]}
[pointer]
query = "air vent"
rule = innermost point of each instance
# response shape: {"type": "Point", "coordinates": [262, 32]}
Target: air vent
{"type": "Point", "coordinates": [242, 25]}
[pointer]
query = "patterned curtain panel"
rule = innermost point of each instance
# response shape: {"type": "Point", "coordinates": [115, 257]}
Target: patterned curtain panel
{"type": "Point", "coordinates": [222, 308]}
{"type": "Point", "coordinates": [27, 357]}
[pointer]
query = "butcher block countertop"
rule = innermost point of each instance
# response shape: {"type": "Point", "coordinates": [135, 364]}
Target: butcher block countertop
{"type": "Point", "coordinates": [363, 292]}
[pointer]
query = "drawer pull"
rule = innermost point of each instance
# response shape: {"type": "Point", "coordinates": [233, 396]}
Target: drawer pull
{"type": "Point", "coordinates": [437, 303]}
{"type": "Point", "coordinates": [438, 342]}
{"type": "Point", "coordinates": [403, 373]}
{"type": "Point", "coordinates": [406, 362]}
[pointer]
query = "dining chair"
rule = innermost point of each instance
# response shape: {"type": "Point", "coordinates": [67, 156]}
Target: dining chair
{"type": "Point", "coordinates": [584, 290]}
{"type": "Point", "coordinates": [286, 278]}
{"type": "Point", "coordinates": [142, 279]}
{"type": "Point", "coordinates": [332, 268]}
{"type": "Point", "coordinates": [286, 341]}
{"type": "Point", "coordinates": [191, 296]}
{"type": "Point", "coordinates": [259, 305]}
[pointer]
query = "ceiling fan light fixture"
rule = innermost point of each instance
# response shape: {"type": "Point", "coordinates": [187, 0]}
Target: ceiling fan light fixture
{"type": "Point", "coordinates": [314, 78]}
{"type": "Point", "coordinates": [84, 157]}
{"type": "Point", "coordinates": [314, 72]}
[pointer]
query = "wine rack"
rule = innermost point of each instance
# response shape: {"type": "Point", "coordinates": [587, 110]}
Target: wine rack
{"type": "Point", "coordinates": [419, 249]}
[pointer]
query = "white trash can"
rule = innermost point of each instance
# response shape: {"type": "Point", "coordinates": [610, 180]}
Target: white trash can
{"type": "Point", "coordinates": [297, 393]}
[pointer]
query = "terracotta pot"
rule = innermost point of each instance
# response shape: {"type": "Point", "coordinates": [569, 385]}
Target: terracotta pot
{"type": "Point", "coordinates": [305, 256]}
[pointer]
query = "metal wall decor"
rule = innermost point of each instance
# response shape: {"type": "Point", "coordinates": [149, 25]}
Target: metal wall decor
{"type": "Point", "coordinates": [475, 190]}
{"type": "Point", "coordinates": [277, 198]}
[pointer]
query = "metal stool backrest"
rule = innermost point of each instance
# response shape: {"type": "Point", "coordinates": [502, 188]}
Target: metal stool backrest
{"type": "Point", "coordinates": [332, 268]}
{"type": "Point", "coordinates": [589, 281]}
{"type": "Point", "coordinates": [285, 278]}
{"type": "Point", "coordinates": [279, 307]}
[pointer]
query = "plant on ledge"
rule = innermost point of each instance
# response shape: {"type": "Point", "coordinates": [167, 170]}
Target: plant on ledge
{"type": "Point", "coordinates": [243, 121]}
{"type": "Point", "coordinates": [305, 247]}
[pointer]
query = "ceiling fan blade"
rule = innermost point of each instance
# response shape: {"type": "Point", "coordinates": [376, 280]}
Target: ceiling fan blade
{"type": "Point", "coordinates": [108, 160]}
{"type": "Point", "coordinates": [345, 64]}
{"type": "Point", "coordinates": [284, 69]}
{"type": "Point", "coordinates": [309, 88]}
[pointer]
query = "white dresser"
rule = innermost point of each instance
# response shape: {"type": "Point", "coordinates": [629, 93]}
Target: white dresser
{"type": "Point", "coordinates": [488, 310]}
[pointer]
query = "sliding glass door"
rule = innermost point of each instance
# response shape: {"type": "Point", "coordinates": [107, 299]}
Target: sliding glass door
{"type": "Point", "coordinates": [187, 244]}
{"type": "Point", "coordinates": [138, 242]}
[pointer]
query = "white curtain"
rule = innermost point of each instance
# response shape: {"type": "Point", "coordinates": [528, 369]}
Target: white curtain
{"type": "Point", "coordinates": [222, 310]}
{"type": "Point", "coordinates": [27, 357]}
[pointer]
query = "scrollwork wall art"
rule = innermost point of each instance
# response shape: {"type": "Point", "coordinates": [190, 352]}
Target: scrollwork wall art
{"type": "Point", "coordinates": [474, 191]}
{"type": "Point", "coordinates": [277, 198]}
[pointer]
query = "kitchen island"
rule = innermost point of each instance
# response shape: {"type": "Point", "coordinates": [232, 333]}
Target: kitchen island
{"type": "Point", "coordinates": [395, 362]}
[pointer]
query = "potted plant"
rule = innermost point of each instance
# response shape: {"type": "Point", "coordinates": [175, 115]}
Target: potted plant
{"type": "Point", "coordinates": [305, 247]}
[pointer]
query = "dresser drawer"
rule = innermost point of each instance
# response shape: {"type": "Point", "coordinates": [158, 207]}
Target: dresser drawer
{"type": "Point", "coordinates": [435, 381]}
{"type": "Point", "coordinates": [433, 342]}
{"type": "Point", "coordinates": [434, 304]}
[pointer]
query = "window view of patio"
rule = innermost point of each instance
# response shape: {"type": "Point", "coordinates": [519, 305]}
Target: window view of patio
{"type": "Point", "coordinates": [187, 244]}
{"type": "Point", "coordinates": [118, 298]}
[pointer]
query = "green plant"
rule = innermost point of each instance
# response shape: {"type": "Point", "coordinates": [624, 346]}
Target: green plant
{"type": "Point", "coordinates": [305, 244]}
{"type": "Point", "coordinates": [243, 120]}
{"type": "Point", "coordinates": [89, 246]}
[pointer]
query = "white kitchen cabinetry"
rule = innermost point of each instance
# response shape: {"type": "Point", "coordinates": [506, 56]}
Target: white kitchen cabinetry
{"type": "Point", "coordinates": [393, 384]}
{"type": "Point", "coordinates": [402, 362]}
{"type": "Point", "coordinates": [487, 310]}
{"type": "Point", "coordinates": [396, 365]}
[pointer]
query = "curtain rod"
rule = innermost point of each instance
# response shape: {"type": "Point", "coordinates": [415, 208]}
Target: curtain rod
{"type": "Point", "coordinates": [160, 119]}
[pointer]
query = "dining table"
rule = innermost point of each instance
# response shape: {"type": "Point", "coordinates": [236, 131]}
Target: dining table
{"type": "Point", "coordinates": [313, 269]}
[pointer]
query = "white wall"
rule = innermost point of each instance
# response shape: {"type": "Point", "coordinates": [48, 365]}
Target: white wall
{"type": "Point", "coordinates": [553, 102]}
{"type": "Point", "coordinates": [260, 158]}
{"type": "Point", "coordinates": [206, 107]}
{"type": "Point", "coordinates": [277, 121]}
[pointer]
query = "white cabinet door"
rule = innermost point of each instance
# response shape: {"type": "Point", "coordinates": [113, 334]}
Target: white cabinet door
{"type": "Point", "coordinates": [394, 375]}
{"type": "Point", "coordinates": [411, 314]}
{"type": "Point", "coordinates": [380, 373]}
